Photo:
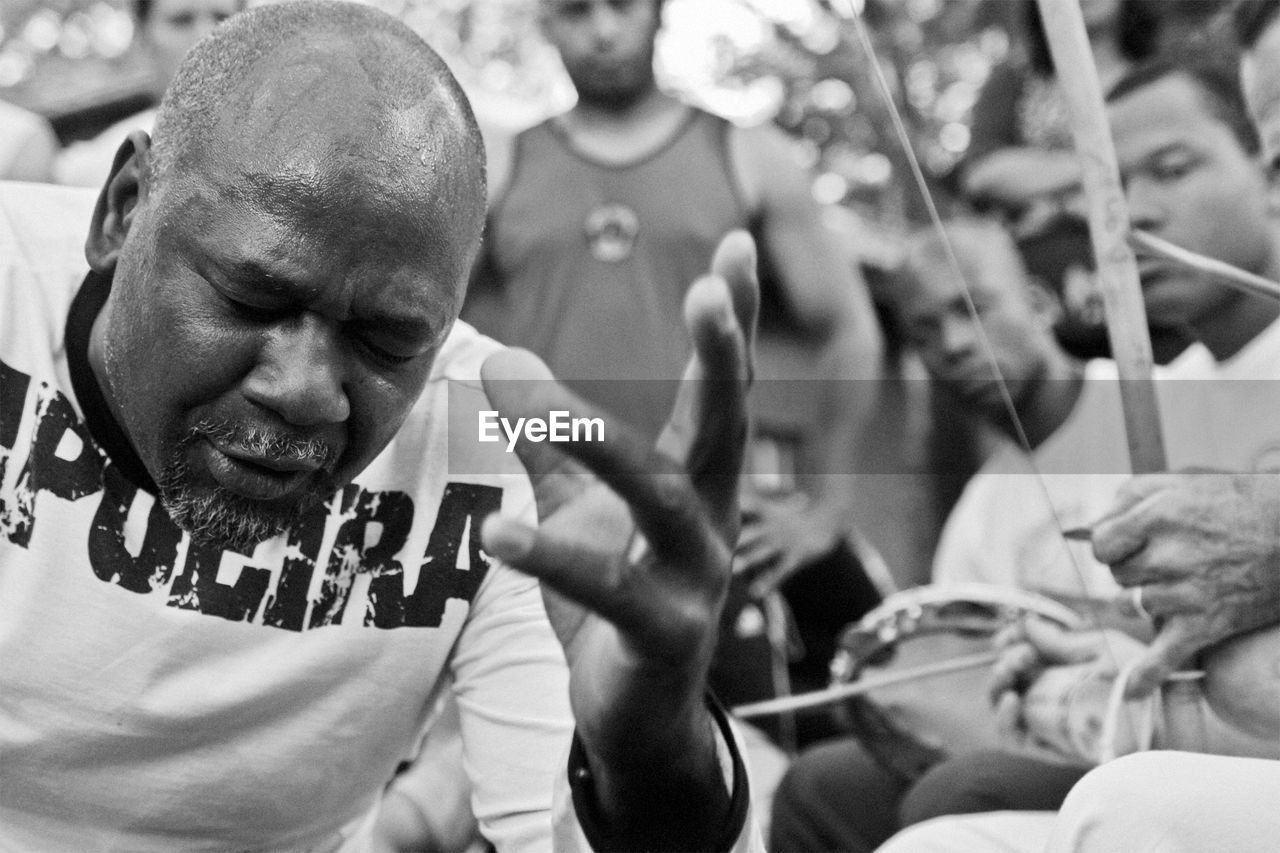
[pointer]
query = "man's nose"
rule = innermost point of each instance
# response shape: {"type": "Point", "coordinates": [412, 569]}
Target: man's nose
{"type": "Point", "coordinates": [300, 374]}
{"type": "Point", "coordinates": [1146, 207]}
{"type": "Point", "coordinates": [606, 23]}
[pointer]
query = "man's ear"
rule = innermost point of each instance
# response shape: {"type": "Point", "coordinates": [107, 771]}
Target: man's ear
{"type": "Point", "coordinates": [126, 187]}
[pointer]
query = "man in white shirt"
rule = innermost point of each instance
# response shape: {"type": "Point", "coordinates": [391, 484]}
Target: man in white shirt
{"type": "Point", "coordinates": [249, 529]}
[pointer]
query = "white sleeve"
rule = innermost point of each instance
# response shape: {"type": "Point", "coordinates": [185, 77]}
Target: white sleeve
{"type": "Point", "coordinates": [511, 684]}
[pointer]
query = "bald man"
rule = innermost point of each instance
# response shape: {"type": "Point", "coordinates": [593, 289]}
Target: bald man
{"type": "Point", "coordinates": [251, 529]}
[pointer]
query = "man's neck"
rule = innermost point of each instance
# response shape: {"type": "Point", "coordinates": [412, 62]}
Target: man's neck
{"type": "Point", "coordinates": [1231, 329]}
{"type": "Point", "coordinates": [1048, 401]}
{"type": "Point", "coordinates": [623, 133]}
{"type": "Point", "coordinates": [646, 105]}
{"type": "Point", "coordinates": [1227, 331]}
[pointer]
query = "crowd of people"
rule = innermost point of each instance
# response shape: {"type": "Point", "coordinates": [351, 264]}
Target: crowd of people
{"type": "Point", "coordinates": [264, 585]}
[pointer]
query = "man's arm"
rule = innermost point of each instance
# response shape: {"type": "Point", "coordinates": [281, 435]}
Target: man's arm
{"type": "Point", "coordinates": [633, 550]}
{"type": "Point", "coordinates": [831, 299]}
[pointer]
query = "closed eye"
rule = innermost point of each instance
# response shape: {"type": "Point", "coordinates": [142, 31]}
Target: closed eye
{"type": "Point", "coordinates": [383, 355]}
{"type": "Point", "coordinates": [257, 313]}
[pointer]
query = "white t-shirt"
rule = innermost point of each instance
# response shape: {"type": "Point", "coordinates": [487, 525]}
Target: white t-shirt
{"type": "Point", "coordinates": [157, 696]}
{"type": "Point", "coordinates": [27, 145]}
{"type": "Point", "coordinates": [1007, 526]}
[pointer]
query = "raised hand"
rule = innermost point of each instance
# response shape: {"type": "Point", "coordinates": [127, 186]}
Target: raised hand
{"type": "Point", "coordinates": [633, 550]}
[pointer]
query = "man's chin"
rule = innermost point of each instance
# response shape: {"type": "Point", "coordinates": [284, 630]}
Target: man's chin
{"type": "Point", "coordinates": [983, 396]}
{"type": "Point", "coordinates": [221, 519]}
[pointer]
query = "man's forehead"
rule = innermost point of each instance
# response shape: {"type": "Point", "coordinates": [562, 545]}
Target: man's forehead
{"type": "Point", "coordinates": [1162, 113]}
{"type": "Point", "coordinates": [937, 285]}
{"type": "Point", "coordinates": [321, 90]}
{"type": "Point", "coordinates": [313, 129]}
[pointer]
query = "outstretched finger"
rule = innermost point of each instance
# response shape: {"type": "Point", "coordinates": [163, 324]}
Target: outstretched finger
{"type": "Point", "coordinates": [656, 489]}
{"type": "Point", "coordinates": [735, 263]}
{"type": "Point", "coordinates": [588, 572]}
{"type": "Point", "coordinates": [519, 385]}
{"type": "Point", "coordinates": [718, 440]}
{"type": "Point", "coordinates": [708, 426]}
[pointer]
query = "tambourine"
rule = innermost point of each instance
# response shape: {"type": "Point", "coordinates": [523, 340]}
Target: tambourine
{"type": "Point", "coordinates": [912, 725]}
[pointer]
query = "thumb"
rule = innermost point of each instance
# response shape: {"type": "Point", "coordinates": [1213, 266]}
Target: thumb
{"type": "Point", "coordinates": [519, 385]}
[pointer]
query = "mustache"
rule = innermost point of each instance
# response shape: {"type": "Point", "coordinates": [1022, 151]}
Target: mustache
{"type": "Point", "coordinates": [269, 444]}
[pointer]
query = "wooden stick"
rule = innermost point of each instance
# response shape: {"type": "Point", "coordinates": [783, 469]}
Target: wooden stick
{"type": "Point", "coordinates": [1109, 230]}
{"type": "Point", "coordinates": [1255, 285]}
{"type": "Point", "coordinates": [838, 692]}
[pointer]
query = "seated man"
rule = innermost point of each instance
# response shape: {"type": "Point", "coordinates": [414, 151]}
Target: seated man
{"type": "Point", "coordinates": [1198, 550]}
{"type": "Point", "coordinates": [248, 531]}
{"type": "Point", "coordinates": [1218, 537]}
{"type": "Point", "coordinates": [835, 797]}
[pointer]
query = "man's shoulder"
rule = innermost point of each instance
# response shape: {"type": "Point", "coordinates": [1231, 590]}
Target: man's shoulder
{"type": "Point", "coordinates": [42, 233]}
{"type": "Point", "coordinates": [462, 354]}
{"type": "Point", "coordinates": [45, 207]}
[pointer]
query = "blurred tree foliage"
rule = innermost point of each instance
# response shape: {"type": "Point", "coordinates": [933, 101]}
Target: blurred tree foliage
{"type": "Point", "coordinates": [796, 62]}
{"type": "Point", "coordinates": [799, 63]}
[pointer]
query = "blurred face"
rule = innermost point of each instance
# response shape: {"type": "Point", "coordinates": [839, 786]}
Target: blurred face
{"type": "Point", "coordinates": [173, 26]}
{"type": "Point", "coordinates": [606, 46]}
{"type": "Point", "coordinates": [1188, 180]}
{"type": "Point", "coordinates": [938, 323]}
{"type": "Point", "coordinates": [278, 302]}
{"type": "Point", "coordinates": [1260, 77]}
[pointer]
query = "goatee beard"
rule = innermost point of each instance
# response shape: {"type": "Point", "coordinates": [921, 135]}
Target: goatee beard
{"type": "Point", "coordinates": [215, 516]}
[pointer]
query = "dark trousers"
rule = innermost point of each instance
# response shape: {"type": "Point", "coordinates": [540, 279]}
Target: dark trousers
{"type": "Point", "coordinates": [835, 798]}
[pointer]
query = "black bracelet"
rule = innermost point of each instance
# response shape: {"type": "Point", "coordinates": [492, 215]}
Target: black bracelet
{"type": "Point", "coordinates": [588, 810]}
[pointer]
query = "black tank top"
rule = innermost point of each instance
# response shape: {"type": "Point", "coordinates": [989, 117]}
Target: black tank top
{"type": "Point", "coordinates": [592, 261]}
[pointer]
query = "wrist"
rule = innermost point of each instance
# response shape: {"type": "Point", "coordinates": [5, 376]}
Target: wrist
{"type": "Point", "coordinates": [698, 804]}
